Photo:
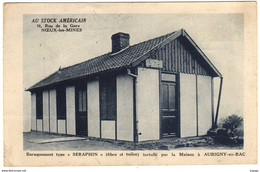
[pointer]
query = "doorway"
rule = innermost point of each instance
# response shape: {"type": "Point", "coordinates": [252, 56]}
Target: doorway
{"type": "Point", "coordinates": [81, 111]}
{"type": "Point", "coordinates": [169, 105]}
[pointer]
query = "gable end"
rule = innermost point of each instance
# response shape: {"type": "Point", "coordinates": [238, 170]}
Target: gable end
{"type": "Point", "coordinates": [182, 55]}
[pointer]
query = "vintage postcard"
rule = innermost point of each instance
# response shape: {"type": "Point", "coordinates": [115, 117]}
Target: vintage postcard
{"type": "Point", "coordinates": [130, 83]}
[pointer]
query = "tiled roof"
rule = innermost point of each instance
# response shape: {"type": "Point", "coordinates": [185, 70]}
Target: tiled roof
{"type": "Point", "coordinates": [103, 63]}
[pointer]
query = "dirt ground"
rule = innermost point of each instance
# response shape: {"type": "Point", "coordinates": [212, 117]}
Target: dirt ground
{"type": "Point", "coordinates": [66, 145]}
{"type": "Point", "coordinates": [194, 143]}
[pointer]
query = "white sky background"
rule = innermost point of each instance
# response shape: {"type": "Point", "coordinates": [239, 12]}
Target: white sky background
{"type": "Point", "coordinates": [220, 36]}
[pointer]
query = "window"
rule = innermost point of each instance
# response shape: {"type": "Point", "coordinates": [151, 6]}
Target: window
{"type": "Point", "coordinates": [39, 107]}
{"type": "Point", "coordinates": [61, 103]}
{"type": "Point", "coordinates": [82, 100]}
{"type": "Point", "coordinates": [108, 98]}
{"type": "Point", "coordinates": [168, 77]}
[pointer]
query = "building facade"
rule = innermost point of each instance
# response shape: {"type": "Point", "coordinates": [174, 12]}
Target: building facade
{"type": "Point", "coordinates": [156, 89]}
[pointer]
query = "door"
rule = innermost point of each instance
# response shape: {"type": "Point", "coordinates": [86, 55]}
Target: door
{"type": "Point", "coordinates": [81, 114]}
{"type": "Point", "coordinates": [169, 111]}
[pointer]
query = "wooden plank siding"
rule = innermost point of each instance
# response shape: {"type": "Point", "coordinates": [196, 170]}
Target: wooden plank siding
{"type": "Point", "coordinates": [178, 57]}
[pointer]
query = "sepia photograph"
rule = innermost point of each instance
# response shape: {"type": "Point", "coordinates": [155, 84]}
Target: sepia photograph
{"type": "Point", "coordinates": [130, 84]}
{"type": "Point", "coordinates": [127, 82]}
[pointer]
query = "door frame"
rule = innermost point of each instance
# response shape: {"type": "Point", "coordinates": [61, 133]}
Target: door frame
{"type": "Point", "coordinates": [178, 101]}
{"type": "Point", "coordinates": [77, 88]}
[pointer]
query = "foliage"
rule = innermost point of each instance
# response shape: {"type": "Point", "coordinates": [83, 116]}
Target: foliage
{"type": "Point", "coordinates": [232, 122]}
{"type": "Point", "coordinates": [229, 132]}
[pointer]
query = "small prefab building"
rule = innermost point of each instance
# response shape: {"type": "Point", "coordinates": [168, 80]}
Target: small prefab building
{"type": "Point", "coordinates": [156, 89]}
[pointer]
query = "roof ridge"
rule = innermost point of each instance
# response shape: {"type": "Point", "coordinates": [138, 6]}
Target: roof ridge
{"type": "Point", "coordinates": [154, 38]}
{"type": "Point", "coordinates": [118, 53]}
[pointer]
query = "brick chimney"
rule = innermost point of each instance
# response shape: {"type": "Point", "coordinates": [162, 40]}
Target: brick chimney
{"type": "Point", "coordinates": [119, 41]}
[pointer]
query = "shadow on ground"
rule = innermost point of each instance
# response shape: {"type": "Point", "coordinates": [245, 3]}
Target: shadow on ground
{"type": "Point", "coordinates": [46, 141]}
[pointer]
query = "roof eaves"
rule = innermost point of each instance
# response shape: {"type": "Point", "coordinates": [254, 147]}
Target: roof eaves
{"type": "Point", "coordinates": [35, 85]}
{"type": "Point", "coordinates": [78, 77]}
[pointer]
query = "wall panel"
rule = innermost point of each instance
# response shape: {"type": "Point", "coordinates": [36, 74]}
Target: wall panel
{"type": "Point", "coordinates": [204, 104]}
{"type": "Point", "coordinates": [188, 119]}
{"type": "Point", "coordinates": [33, 111]}
{"type": "Point", "coordinates": [125, 108]}
{"type": "Point", "coordinates": [53, 112]}
{"type": "Point", "coordinates": [39, 124]}
{"type": "Point", "coordinates": [70, 110]}
{"type": "Point", "coordinates": [148, 104]}
{"type": "Point", "coordinates": [61, 126]}
{"type": "Point", "coordinates": [108, 129]}
{"type": "Point", "coordinates": [93, 109]}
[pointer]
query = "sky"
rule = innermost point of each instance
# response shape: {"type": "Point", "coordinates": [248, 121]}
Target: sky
{"type": "Point", "coordinates": [220, 36]}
